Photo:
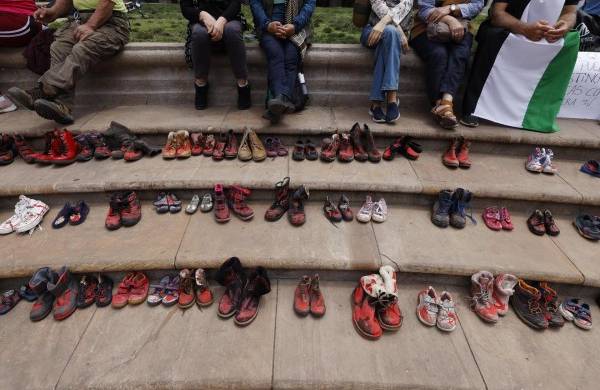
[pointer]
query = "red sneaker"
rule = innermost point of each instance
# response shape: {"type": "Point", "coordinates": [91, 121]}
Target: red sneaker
{"type": "Point", "coordinates": [138, 291]}
{"type": "Point", "coordinates": [505, 219]}
{"type": "Point", "coordinates": [184, 146]}
{"type": "Point", "coordinates": [187, 295]}
{"type": "Point", "coordinates": [329, 148]}
{"type": "Point", "coordinates": [24, 150]}
{"type": "Point", "coordinates": [363, 315]}
{"type": "Point", "coordinates": [237, 202]}
{"type": "Point", "coordinates": [121, 298]}
{"type": "Point", "coordinates": [209, 145]}
{"type": "Point", "coordinates": [113, 217]}
{"type": "Point", "coordinates": [132, 153]}
{"type": "Point", "coordinates": [302, 297]}
{"type": "Point", "coordinates": [221, 209]}
{"type": "Point", "coordinates": [491, 218]}
{"type": "Point", "coordinates": [131, 213]}
{"type": "Point", "coordinates": [390, 152]}
{"type": "Point", "coordinates": [204, 296]}
{"type": "Point", "coordinates": [346, 152]}
{"type": "Point", "coordinates": [65, 290]}
{"type": "Point", "coordinates": [257, 286]}
{"type": "Point", "coordinates": [69, 148]}
{"type": "Point", "coordinates": [449, 158]}
{"type": "Point", "coordinates": [317, 301]}
{"type": "Point", "coordinates": [463, 154]}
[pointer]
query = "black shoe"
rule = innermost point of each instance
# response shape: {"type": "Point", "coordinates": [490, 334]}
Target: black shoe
{"type": "Point", "coordinates": [280, 104]}
{"type": "Point", "coordinates": [244, 97]}
{"type": "Point", "coordinates": [526, 301]}
{"type": "Point", "coordinates": [25, 98]}
{"type": "Point", "coordinates": [470, 120]}
{"type": "Point", "coordinates": [54, 110]}
{"type": "Point", "coordinates": [201, 101]}
{"type": "Point", "coordinates": [271, 117]}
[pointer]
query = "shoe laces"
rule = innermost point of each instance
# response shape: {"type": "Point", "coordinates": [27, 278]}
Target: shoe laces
{"type": "Point", "coordinates": [483, 297]}
{"type": "Point", "coordinates": [367, 205]}
{"type": "Point", "coordinates": [534, 306]}
{"type": "Point", "coordinates": [380, 207]}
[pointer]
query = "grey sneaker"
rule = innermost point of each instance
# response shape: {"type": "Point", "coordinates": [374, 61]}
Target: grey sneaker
{"type": "Point", "coordinates": [440, 215]}
{"type": "Point", "coordinates": [193, 206]}
{"type": "Point", "coordinates": [25, 98]}
{"type": "Point", "coordinates": [207, 203]}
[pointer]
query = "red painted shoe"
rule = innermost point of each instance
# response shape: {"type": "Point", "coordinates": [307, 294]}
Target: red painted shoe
{"type": "Point", "coordinates": [113, 217]}
{"type": "Point", "coordinates": [52, 149]}
{"type": "Point", "coordinates": [257, 286]}
{"type": "Point", "coordinates": [363, 315]}
{"type": "Point", "coordinates": [24, 150]}
{"type": "Point", "coordinates": [87, 291]}
{"type": "Point", "coordinates": [390, 152]}
{"type": "Point", "coordinates": [121, 298]}
{"type": "Point", "coordinates": [187, 295]}
{"type": "Point", "coordinates": [131, 152]}
{"type": "Point", "coordinates": [505, 219]}
{"type": "Point", "coordinates": [449, 158]}
{"type": "Point", "coordinates": [197, 143]}
{"type": "Point", "coordinates": [373, 153]}
{"type": "Point", "coordinates": [69, 148]}
{"type": "Point", "coordinates": [360, 154]}
{"type": "Point", "coordinates": [482, 290]}
{"type": "Point", "coordinates": [491, 218]}
{"type": "Point", "coordinates": [463, 154]}
{"type": "Point", "coordinates": [139, 287]}
{"type": "Point", "coordinates": [346, 152]}
{"type": "Point", "coordinates": [329, 148]}
{"type": "Point", "coordinates": [221, 209]}
{"type": "Point", "coordinates": [209, 145]}
{"type": "Point", "coordinates": [131, 213]}
{"type": "Point", "coordinates": [219, 150]}
{"type": "Point", "coordinates": [231, 146]}
{"type": "Point", "coordinates": [237, 202]}
{"type": "Point", "coordinates": [296, 214]}
{"type": "Point", "coordinates": [302, 297]}
{"type": "Point", "coordinates": [204, 296]}
{"type": "Point", "coordinates": [169, 151]}
{"type": "Point", "coordinates": [184, 146]}
{"type": "Point", "coordinates": [65, 290]}
{"type": "Point", "coordinates": [317, 301]}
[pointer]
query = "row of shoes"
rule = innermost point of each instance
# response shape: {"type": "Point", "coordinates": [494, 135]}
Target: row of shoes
{"type": "Point", "coordinates": [358, 144]}
{"type": "Point", "coordinates": [404, 146]}
{"type": "Point", "coordinates": [375, 305]}
{"type": "Point", "coordinates": [437, 310]}
{"type": "Point", "coordinates": [497, 218]}
{"type": "Point", "coordinates": [450, 208]}
{"type": "Point", "coordinates": [72, 214]}
{"type": "Point", "coordinates": [185, 289]}
{"type": "Point", "coordinates": [288, 201]}
{"type": "Point", "coordinates": [540, 161]}
{"type": "Point", "coordinates": [457, 154]}
{"type": "Point", "coordinates": [308, 297]}
{"type": "Point", "coordinates": [28, 215]}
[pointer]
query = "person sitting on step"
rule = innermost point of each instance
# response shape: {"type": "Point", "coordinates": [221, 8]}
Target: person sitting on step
{"type": "Point", "coordinates": [441, 37]}
{"type": "Point", "coordinates": [95, 30]}
{"type": "Point", "coordinates": [216, 24]}
{"type": "Point", "coordinates": [385, 34]}
{"type": "Point", "coordinates": [283, 30]}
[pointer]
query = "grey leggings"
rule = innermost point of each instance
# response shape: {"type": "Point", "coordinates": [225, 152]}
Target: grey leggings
{"type": "Point", "coordinates": [233, 41]}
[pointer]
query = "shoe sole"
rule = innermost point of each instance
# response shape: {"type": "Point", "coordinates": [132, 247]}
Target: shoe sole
{"type": "Point", "coordinates": [223, 220]}
{"type": "Point", "coordinates": [204, 304]}
{"type": "Point", "coordinates": [226, 316]}
{"type": "Point", "coordinates": [9, 109]}
{"type": "Point", "coordinates": [450, 165]}
{"type": "Point", "coordinates": [63, 162]}
{"type": "Point", "coordinates": [246, 323]}
{"type": "Point", "coordinates": [137, 301]}
{"type": "Point", "coordinates": [192, 303]}
{"type": "Point", "coordinates": [527, 322]}
{"type": "Point", "coordinates": [119, 306]}
{"type": "Point", "coordinates": [48, 113]}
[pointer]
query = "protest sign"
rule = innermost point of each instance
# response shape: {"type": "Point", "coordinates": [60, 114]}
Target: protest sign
{"type": "Point", "coordinates": [582, 99]}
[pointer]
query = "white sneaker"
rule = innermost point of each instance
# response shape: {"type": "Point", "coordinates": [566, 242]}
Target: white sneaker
{"type": "Point", "coordinates": [535, 160]}
{"type": "Point", "coordinates": [446, 317]}
{"type": "Point", "coordinates": [31, 215]}
{"type": "Point", "coordinates": [6, 105]}
{"type": "Point", "coordinates": [365, 212]}
{"type": "Point", "coordinates": [10, 225]}
{"type": "Point", "coordinates": [548, 167]}
{"type": "Point", "coordinates": [380, 211]}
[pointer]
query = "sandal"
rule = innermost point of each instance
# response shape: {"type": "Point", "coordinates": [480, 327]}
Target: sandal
{"type": "Point", "coordinates": [444, 115]}
{"type": "Point", "coordinates": [79, 213]}
{"type": "Point", "coordinates": [157, 291]}
{"type": "Point", "coordinates": [299, 151]}
{"type": "Point", "coordinates": [310, 150]}
{"type": "Point", "coordinates": [193, 206]}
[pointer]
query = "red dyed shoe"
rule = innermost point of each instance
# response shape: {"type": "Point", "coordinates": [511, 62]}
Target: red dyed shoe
{"type": "Point", "coordinates": [131, 153]}
{"type": "Point", "coordinates": [329, 148]}
{"type": "Point", "coordinates": [204, 296]}
{"type": "Point", "coordinates": [504, 288]}
{"type": "Point", "coordinates": [388, 310]}
{"type": "Point", "coordinates": [491, 218]}
{"type": "Point", "coordinates": [449, 158]}
{"type": "Point", "coordinates": [363, 315]}
{"type": "Point", "coordinates": [184, 146]}
{"type": "Point", "coordinates": [65, 290]}
{"type": "Point", "coordinates": [52, 149]}
{"type": "Point", "coordinates": [219, 150]}
{"type": "Point", "coordinates": [138, 289]}
{"type": "Point", "coordinates": [346, 152]}
{"type": "Point", "coordinates": [317, 301]}
{"type": "Point", "coordinates": [121, 298]}
{"type": "Point", "coordinates": [169, 151]}
{"type": "Point", "coordinates": [482, 290]}
{"type": "Point", "coordinates": [359, 151]}
{"type": "Point", "coordinates": [282, 201]}
{"type": "Point", "coordinates": [231, 146]}
{"type": "Point", "coordinates": [221, 209]}
{"type": "Point", "coordinates": [390, 152]}
{"type": "Point", "coordinates": [87, 291]}
{"type": "Point", "coordinates": [302, 297]}
{"type": "Point", "coordinates": [69, 148]}
{"type": "Point", "coordinates": [505, 219]}
{"type": "Point", "coordinates": [187, 295]}
{"type": "Point", "coordinates": [197, 143]}
{"type": "Point", "coordinates": [131, 213]}
{"type": "Point", "coordinates": [113, 217]}
{"type": "Point", "coordinates": [24, 150]}
{"type": "Point", "coordinates": [296, 214]}
{"type": "Point", "coordinates": [209, 145]}
{"type": "Point", "coordinates": [257, 286]}
{"type": "Point", "coordinates": [237, 202]}
{"type": "Point", "coordinates": [463, 154]}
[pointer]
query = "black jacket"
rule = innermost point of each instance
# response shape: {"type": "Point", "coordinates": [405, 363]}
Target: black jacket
{"type": "Point", "coordinates": [229, 9]}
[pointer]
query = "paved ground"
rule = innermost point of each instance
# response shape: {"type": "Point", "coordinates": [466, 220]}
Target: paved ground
{"type": "Point", "coordinates": [159, 348]}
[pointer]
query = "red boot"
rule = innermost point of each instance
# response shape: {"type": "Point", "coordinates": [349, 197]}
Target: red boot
{"type": "Point", "coordinates": [463, 154]}
{"type": "Point", "coordinates": [131, 213]}
{"type": "Point", "coordinates": [257, 286]}
{"type": "Point", "coordinates": [346, 152]}
{"type": "Point", "coordinates": [449, 158]}
{"type": "Point", "coordinates": [52, 149]}
{"type": "Point", "coordinates": [317, 301]}
{"type": "Point", "coordinates": [237, 202]}
{"type": "Point", "coordinates": [363, 315]}
{"type": "Point", "coordinates": [221, 209]}
{"type": "Point", "coordinates": [302, 297]}
{"type": "Point", "coordinates": [204, 296]}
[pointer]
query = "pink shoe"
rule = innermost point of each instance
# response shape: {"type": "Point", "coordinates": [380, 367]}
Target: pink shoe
{"type": "Point", "coordinates": [482, 288]}
{"type": "Point", "coordinates": [505, 219]}
{"type": "Point", "coordinates": [504, 287]}
{"type": "Point", "coordinates": [427, 307]}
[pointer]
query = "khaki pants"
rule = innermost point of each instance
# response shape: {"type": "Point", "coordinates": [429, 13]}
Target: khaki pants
{"type": "Point", "coordinates": [71, 59]}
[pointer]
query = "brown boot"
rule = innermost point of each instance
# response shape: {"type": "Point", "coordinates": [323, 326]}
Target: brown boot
{"type": "Point", "coordinates": [282, 201]}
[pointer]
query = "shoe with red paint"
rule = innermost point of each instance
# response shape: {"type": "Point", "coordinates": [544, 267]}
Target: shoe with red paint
{"type": "Point", "coordinates": [492, 218]}
{"type": "Point", "coordinates": [505, 219]}
{"type": "Point", "coordinates": [138, 288]}
{"type": "Point", "coordinates": [346, 151]}
{"type": "Point", "coordinates": [87, 291]}
{"type": "Point", "coordinates": [388, 310]}
{"type": "Point", "coordinates": [52, 148]}
{"type": "Point", "coordinates": [363, 315]}
{"type": "Point", "coordinates": [482, 301]}
{"type": "Point", "coordinates": [504, 288]}
{"type": "Point", "coordinates": [462, 154]}
{"type": "Point", "coordinates": [113, 217]}
{"type": "Point", "coordinates": [317, 300]}
{"type": "Point", "coordinates": [69, 148]}
{"type": "Point", "coordinates": [449, 158]}
{"type": "Point", "coordinates": [257, 286]}
{"type": "Point", "coordinates": [131, 211]}
{"type": "Point", "coordinates": [121, 298]}
{"type": "Point", "coordinates": [197, 143]}
{"type": "Point", "coordinates": [329, 148]}
{"type": "Point", "coordinates": [65, 290]}
{"type": "Point", "coordinates": [427, 306]}
{"type": "Point", "coordinates": [221, 208]}
{"type": "Point", "coordinates": [204, 296]}
{"type": "Point", "coordinates": [447, 319]}
{"type": "Point", "coordinates": [231, 146]}
{"type": "Point", "coordinates": [302, 297]}
{"type": "Point", "coordinates": [187, 295]}
{"type": "Point", "coordinates": [236, 197]}
{"type": "Point", "coordinates": [360, 154]}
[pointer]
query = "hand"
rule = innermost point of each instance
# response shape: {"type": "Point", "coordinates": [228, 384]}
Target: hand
{"type": "Point", "coordinates": [44, 15]}
{"type": "Point", "coordinates": [376, 34]}
{"type": "Point", "coordinates": [403, 40]}
{"type": "Point", "coordinates": [438, 13]}
{"type": "Point", "coordinates": [208, 21]}
{"type": "Point", "coordinates": [457, 30]}
{"type": "Point", "coordinates": [560, 29]}
{"type": "Point", "coordinates": [537, 30]}
{"type": "Point", "coordinates": [289, 30]}
{"type": "Point", "coordinates": [83, 31]}
{"type": "Point", "coordinates": [274, 28]}
{"type": "Point", "coordinates": [217, 31]}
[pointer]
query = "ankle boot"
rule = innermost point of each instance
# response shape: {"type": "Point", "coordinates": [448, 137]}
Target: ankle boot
{"type": "Point", "coordinates": [359, 151]}
{"type": "Point", "coordinates": [449, 158]}
{"type": "Point", "coordinates": [482, 287]}
{"type": "Point", "coordinates": [388, 310]}
{"type": "Point", "coordinates": [302, 297]}
{"type": "Point", "coordinates": [221, 208]}
{"type": "Point", "coordinates": [317, 301]}
{"type": "Point", "coordinates": [504, 288]}
{"type": "Point", "coordinates": [526, 302]}
{"type": "Point", "coordinates": [65, 290]}
{"type": "Point", "coordinates": [232, 276]}
{"type": "Point", "coordinates": [237, 202]}
{"type": "Point", "coordinates": [258, 284]}
{"type": "Point", "coordinates": [296, 214]}
{"type": "Point", "coordinates": [373, 153]}
{"type": "Point", "coordinates": [282, 201]}
{"type": "Point", "coordinates": [463, 154]}
{"type": "Point", "coordinates": [131, 212]}
{"type": "Point", "coordinates": [69, 148]}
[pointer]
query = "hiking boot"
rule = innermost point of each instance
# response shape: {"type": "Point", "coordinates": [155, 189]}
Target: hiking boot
{"type": "Point", "coordinates": [39, 284]}
{"type": "Point", "coordinates": [69, 148]}
{"type": "Point", "coordinates": [363, 315]}
{"type": "Point", "coordinates": [29, 212]}
{"type": "Point", "coordinates": [373, 153]}
{"type": "Point", "coordinates": [220, 207]}
{"type": "Point", "coordinates": [237, 202]}
{"type": "Point", "coordinates": [113, 217]}
{"type": "Point", "coordinates": [257, 286]}
{"type": "Point", "coordinates": [329, 148]}
{"type": "Point", "coordinates": [23, 149]}
{"type": "Point", "coordinates": [359, 151]}
{"type": "Point", "coordinates": [204, 296]}
{"type": "Point", "coordinates": [184, 146]}
{"type": "Point", "coordinates": [101, 149]}
{"type": "Point", "coordinates": [131, 152]}
{"type": "Point", "coordinates": [427, 306]}
{"type": "Point", "coordinates": [317, 301]}
{"type": "Point", "coordinates": [209, 145]}
{"type": "Point", "coordinates": [25, 98]}
{"type": "Point", "coordinates": [345, 152]}
{"type": "Point", "coordinates": [504, 288]}
{"type": "Point", "coordinates": [57, 110]}
{"type": "Point", "coordinates": [231, 147]}
{"type": "Point", "coordinates": [244, 97]}
{"type": "Point", "coordinates": [449, 158]}
{"type": "Point", "coordinates": [296, 214]}
{"type": "Point", "coordinates": [549, 224]}
{"type": "Point", "coordinates": [536, 224]}
{"type": "Point", "coordinates": [258, 149]}
{"type": "Point", "coordinates": [88, 286]}
{"type": "Point", "coordinates": [482, 303]}
{"type": "Point", "coordinates": [187, 295]}
{"type": "Point", "coordinates": [302, 297]}
{"type": "Point", "coordinates": [66, 291]}
{"type": "Point", "coordinates": [131, 213]}
{"type": "Point", "coordinates": [463, 154]}
{"type": "Point", "coordinates": [201, 97]}
{"type": "Point", "coordinates": [7, 149]}
{"type": "Point", "coordinates": [461, 200]}
{"type": "Point", "coordinates": [550, 305]}
{"type": "Point", "coordinates": [231, 275]}
{"type": "Point", "coordinates": [42, 307]}
{"type": "Point", "coordinates": [169, 151]}
{"type": "Point", "coordinates": [446, 318]}
{"type": "Point", "coordinates": [440, 215]}
{"type": "Point", "coordinates": [282, 201]}
{"type": "Point", "coordinates": [527, 304]}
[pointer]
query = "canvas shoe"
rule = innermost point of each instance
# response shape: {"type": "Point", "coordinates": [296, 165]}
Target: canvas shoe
{"type": "Point", "coordinates": [302, 297]}
{"type": "Point", "coordinates": [427, 306]}
{"type": "Point", "coordinates": [583, 318]}
{"type": "Point", "coordinates": [504, 288]}
{"type": "Point", "coordinates": [244, 150]}
{"type": "Point", "coordinates": [482, 302]}
{"type": "Point", "coordinates": [527, 304]}
{"type": "Point", "coordinates": [259, 153]}
{"type": "Point", "coordinates": [317, 301]}
{"type": "Point", "coordinates": [366, 211]}
{"type": "Point", "coordinates": [547, 163]}
{"type": "Point", "coordinates": [380, 211]}
{"type": "Point", "coordinates": [446, 318]}
{"type": "Point", "coordinates": [535, 161]}
{"type": "Point", "coordinates": [31, 216]}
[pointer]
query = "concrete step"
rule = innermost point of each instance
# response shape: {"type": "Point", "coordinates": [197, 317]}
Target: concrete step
{"type": "Point", "coordinates": [159, 348]}
{"type": "Point", "coordinates": [408, 240]}
{"type": "Point", "coordinates": [315, 120]}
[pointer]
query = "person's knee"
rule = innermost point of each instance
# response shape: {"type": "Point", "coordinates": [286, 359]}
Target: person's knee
{"type": "Point", "coordinates": [232, 30]}
{"type": "Point", "coordinates": [391, 33]}
{"type": "Point", "coordinates": [199, 33]}
{"type": "Point", "coordinates": [438, 56]}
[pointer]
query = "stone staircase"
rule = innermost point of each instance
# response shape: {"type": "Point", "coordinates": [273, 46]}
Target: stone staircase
{"type": "Point", "coordinates": [147, 88]}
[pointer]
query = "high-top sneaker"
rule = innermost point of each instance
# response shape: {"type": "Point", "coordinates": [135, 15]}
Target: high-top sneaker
{"type": "Point", "coordinates": [346, 152]}
{"type": "Point", "coordinates": [369, 143]}
{"type": "Point", "coordinates": [329, 148]}
{"type": "Point", "coordinates": [463, 154]}
{"type": "Point", "coordinates": [204, 296]}
{"type": "Point", "coordinates": [550, 305]}
{"type": "Point", "coordinates": [31, 215]}
{"type": "Point", "coordinates": [221, 208]}
{"type": "Point", "coordinates": [302, 297]}
{"type": "Point", "coordinates": [363, 315]}
{"type": "Point", "coordinates": [359, 151]}
{"type": "Point", "coordinates": [69, 148]}
{"type": "Point", "coordinates": [236, 197]}
{"type": "Point", "coordinates": [39, 284]}
{"type": "Point", "coordinates": [131, 213]}
{"type": "Point", "coordinates": [257, 286]}
{"type": "Point", "coordinates": [449, 158]}
{"type": "Point", "coordinates": [113, 217]}
{"type": "Point", "coordinates": [461, 200]}
{"type": "Point", "coordinates": [317, 301]}
{"type": "Point", "coordinates": [504, 288]}
{"type": "Point", "coordinates": [527, 303]}
{"type": "Point", "coordinates": [232, 276]}
{"type": "Point", "coordinates": [296, 214]}
{"type": "Point", "coordinates": [440, 215]}
{"type": "Point", "coordinates": [169, 151]}
{"type": "Point", "coordinates": [482, 303]}
{"type": "Point", "coordinates": [282, 201]}
{"type": "Point", "coordinates": [88, 286]}
{"type": "Point", "coordinates": [388, 310]}
{"type": "Point", "coordinates": [66, 290]}
{"type": "Point", "coordinates": [52, 148]}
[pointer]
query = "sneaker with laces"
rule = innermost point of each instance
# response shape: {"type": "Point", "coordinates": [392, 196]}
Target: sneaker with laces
{"type": "Point", "coordinates": [366, 211]}
{"type": "Point", "coordinates": [504, 288]}
{"type": "Point", "coordinates": [221, 208]}
{"type": "Point", "coordinates": [113, 217]}
{"type": "Point", "coordinates": [482, 303]}
{"type": "Point", "coordinates": [363, 315]}
{"type": "Point", "coordinates": [446, 318]}
{"type": "Point", "coordinates": [345, 209]}
{"type": "Point", "coordinates": [380, 211]}
{"type": "Point", "coordinates": [10, 225]}
{"type": "Point", "coordinates": [427, 306]}
{"type": "Point", "coordinates": [549, 301]}
{"type": "Point", "coordinates": [440, 215]}
{"type": "Point", "coordinates": [547, 163]}
{"type": "Point", "coordinates": [527, 304]}
{"type": "Point", "coordinates": [329, 148]}
{"type": "Point", "coordinates": [377, 114]}
{"type": "Point", "coordinates": [461, 201]}
{"type": "Point", "coordinates": [331, 211]}
{"type": "Point", "coordinates": [535, 223]}
{"type": "Point", "coordinates": [56, 109]}
{"type": "Point", "coordinates": [302, 297]}
{"type": "Point", "coordinates": [346, 151]}
{"type": "Point", "coordinates": [259, 153]}
{"type": "Point", "coordinates": [204, 295]}
{"type": "Point", "coordinates": [31, 215]}
{"type": "Point", "coordinates": [550, 225]}
{"type": "Point", "coordinates": [131, 211]}
{"type": "Point", "coordinates": [535, 161]}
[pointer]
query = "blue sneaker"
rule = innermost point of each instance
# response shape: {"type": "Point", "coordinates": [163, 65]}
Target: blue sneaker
{"type": "Point", "coordinates": [377, 114]}
{"type": "Point", "coordinates": [393, 113]}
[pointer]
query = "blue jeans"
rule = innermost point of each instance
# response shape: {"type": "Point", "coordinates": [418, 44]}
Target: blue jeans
{"type": "Point", "coordinates": [386, 73]}
{"type": "Point", "coordinates": [282, 61]}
